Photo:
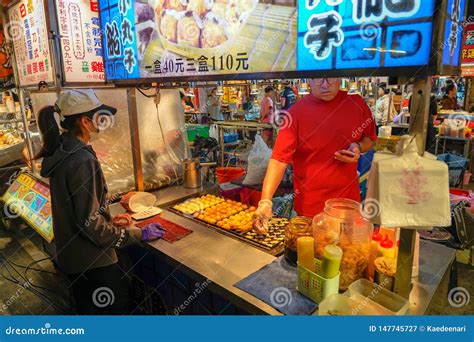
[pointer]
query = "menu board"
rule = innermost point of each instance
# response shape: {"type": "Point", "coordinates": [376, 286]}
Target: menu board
{"type": "Point", "coordinates": [363, 34]}
{"type": "Point", "coordinates": [197, 39]}
{"type": "Point", "coordinates": [467, 52]}
{"type": "Point", "coordinates": [81, 43]}
{"type": "Point", "coordinates": [453, 31]}
{"type": "Point", "coordinates": [29, 33]}
{"type": "Point", "coordinates": [30, 199]}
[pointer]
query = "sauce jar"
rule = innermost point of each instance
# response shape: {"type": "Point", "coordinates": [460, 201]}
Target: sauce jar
{"type": "Point", "coordinates": [342, 224]}
{"type": "Point", "coordinates": [299, 226]}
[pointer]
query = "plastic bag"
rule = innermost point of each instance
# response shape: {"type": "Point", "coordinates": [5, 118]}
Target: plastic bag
{"type": "Point", "coordinates": [214, 132]}
{"type": "Point", "coordinates": [258, 160]}
{"type": "Point", "coordinates": [409, 190]}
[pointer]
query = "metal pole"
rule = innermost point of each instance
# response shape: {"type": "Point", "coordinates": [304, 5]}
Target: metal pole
{"type": "Point", "coordinates": [221, 138]}
{"type": "Point", "coordinates": [135, 139]}
{"type": "Point", "coordinates": [405, 262]}
{"type": "Point", "coordinates": [418, 128]}
{"type": "Point", "coordinates": [21, 96]}
{"type": "Point", "coordinates": [419, 115]}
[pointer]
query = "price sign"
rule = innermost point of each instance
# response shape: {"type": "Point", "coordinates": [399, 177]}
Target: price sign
{"type": "Point", "coordinates": [28, 31]}
{"type": "Point", "coordinates": [81, 43]}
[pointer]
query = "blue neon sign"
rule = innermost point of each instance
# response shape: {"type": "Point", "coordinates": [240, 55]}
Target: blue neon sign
{"type": "Point", "coordinates": [342, 34]}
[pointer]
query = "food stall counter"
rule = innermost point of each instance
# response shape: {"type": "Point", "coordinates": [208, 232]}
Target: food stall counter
{"type": "Point", "coordinates": [209, 254]}
{"type": "Point", "coordinates": [224, 261]}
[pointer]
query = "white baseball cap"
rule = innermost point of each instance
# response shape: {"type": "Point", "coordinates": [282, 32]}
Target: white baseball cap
{"type": "Point", "coordinates": [81, 101]}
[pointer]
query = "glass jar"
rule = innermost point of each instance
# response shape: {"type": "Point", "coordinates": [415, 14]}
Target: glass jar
{"type": "Point", "coordinates": [299, 226]}
{"type": "Point", "coordinates": [341, 223]}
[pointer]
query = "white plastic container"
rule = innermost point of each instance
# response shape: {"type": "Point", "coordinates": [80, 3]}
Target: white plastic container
{"type": "Point", "coordinates": [377, 296]}
{"type": "Point", "coordinates": [343, 305]}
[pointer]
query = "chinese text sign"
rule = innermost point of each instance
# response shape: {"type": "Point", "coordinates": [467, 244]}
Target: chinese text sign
{"type": "Point", "coordinates": [31, 42]}
{"type": "Point", "coordinates": [360, 34]}
{"type": "Point", "coordinates": [81, 43]}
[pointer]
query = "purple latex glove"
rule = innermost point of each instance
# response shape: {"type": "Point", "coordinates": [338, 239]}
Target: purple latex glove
{"type": "Point", "coordinates": [152, 231]}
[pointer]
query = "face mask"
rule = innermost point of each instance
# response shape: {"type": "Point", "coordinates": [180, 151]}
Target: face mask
{"type": "Point", "coordinates": [93, 131]}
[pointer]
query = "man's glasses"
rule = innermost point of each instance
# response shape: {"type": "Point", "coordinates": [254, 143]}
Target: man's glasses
{"type": "Point", "coordinates": [329, 80]}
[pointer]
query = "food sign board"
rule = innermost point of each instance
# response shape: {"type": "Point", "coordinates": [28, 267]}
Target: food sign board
{"type": "Point", "coordinates": [29, 198]}
{"type": "Point", "coordinates": [453, 31]}
{"type": "Point", "coordinates": [81, 42]}
{"type": "Point", "coordinates": [7, 80]}
{"type": "Point", "coordinates": [28, 30]}
{"type": "Point", "coordinates": [225, 39]}
{"type": "Point", "coordinates": [336, 34]}
{"type": "Point", "coordinates": [467, 52]}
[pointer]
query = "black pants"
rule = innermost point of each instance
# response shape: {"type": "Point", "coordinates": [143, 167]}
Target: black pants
{"type": "Point", "coordinates": [101, 291]}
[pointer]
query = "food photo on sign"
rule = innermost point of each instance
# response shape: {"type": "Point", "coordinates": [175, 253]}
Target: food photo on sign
{"type": "Point", "coordinates": [201, 37]}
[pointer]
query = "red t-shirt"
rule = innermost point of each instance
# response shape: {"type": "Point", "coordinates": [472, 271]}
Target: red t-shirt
{"type": "Point", "coordinates": [315, 130]}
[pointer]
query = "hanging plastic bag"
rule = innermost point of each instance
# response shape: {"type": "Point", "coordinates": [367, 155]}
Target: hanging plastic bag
{"type": "Point", "coordinates": [214, 132]}
{"type": "Point", "coordinates": [410, 190]}
{"type": "Point", "coordinates": [258, 160]}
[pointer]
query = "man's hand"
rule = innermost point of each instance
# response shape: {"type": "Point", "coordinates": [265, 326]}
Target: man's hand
{"type": "Point", "coordinates": [261, 216]}
{"type": "Point", "coordinates": [351, 155]}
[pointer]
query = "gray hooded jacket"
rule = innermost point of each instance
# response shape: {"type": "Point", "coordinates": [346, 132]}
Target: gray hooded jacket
{"type": "Point", "coordinates": [84, 234]}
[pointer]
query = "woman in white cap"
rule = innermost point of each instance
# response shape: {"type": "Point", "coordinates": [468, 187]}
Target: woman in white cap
{"type": "Point", "coordinates": [85, 236]}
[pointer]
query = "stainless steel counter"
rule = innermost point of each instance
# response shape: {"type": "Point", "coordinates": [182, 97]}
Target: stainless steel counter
{"type": "Point", "coordinates": [435, 263]}
{"type": "Point", "coordinates": [224, 261]}
{"type": "Point", "coordinates": [209, 254]}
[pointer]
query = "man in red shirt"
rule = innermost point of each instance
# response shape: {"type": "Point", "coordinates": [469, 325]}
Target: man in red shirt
{"type": "Point", "coordinates": [323, 136]}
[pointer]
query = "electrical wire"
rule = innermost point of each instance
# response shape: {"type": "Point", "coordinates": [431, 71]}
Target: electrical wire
{"type": "Point", "coordinates": [43, 297]}
{"type": "Point", "coordinates": [33, 263]}
{"type": "Point", "coordinates": [141, 92]}
{"type": "Point", "coordinates": [29, 267]}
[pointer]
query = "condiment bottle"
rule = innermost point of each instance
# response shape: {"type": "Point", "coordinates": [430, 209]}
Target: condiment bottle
{"type": "Point", "coordinates": [305, 250]}
{"type": "Point", "coordinates": [386, 248]}
{"type": "Point", "coordinates": [299, 226]}
{"type": "Point", "coordinates": [391, 232]}
{"type": "Point", "coordinates": [331, 261]}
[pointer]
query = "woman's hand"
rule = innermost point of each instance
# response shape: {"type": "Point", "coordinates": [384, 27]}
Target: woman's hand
{"type": "Point", "coordinates": [351, 155]}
